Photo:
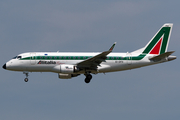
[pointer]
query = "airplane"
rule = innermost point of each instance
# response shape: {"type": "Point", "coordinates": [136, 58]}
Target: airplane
{"type": "Point", "coordinates": [73, 64]}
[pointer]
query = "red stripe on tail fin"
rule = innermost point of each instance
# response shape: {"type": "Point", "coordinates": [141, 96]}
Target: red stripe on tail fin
{"type": "Point", "coordinates": [156, 49]}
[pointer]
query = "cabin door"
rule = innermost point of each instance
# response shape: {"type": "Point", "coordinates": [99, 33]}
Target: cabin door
{"type": "Point", "coordinates": [33, 58]}
{"type": "Point", "coordinates": [129, 58]}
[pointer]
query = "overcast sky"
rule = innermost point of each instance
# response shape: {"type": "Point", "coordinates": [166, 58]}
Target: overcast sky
{"type": "Point", "coordinates": [149, 93]}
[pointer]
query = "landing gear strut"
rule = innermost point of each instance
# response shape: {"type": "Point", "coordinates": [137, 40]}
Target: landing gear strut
{"type": "Point", "coordinates": [27, 74]}
{"type": "Point", "coordinates": [88, 78]}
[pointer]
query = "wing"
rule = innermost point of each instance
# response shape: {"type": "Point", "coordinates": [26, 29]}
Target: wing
{"type": "Point", "coordinates": [95, 61]}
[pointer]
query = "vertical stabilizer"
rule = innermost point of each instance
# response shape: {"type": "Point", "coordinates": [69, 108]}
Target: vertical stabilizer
{"type": "Point", "coordinates": [159, 43]}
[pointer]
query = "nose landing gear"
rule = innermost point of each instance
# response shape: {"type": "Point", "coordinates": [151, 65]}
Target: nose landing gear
{"type": "Point", "coordinates": [27, 74]}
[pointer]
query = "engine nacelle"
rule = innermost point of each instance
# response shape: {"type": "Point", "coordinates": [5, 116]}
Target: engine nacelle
{"type": "Point", "coordinates": [64, 76]}
{"type": "Point", "coordinates": [65, 68]}
{"type": "Point", "coordinates": [67, 76]}
{"type": "Point", "coordinates": [68, 69]}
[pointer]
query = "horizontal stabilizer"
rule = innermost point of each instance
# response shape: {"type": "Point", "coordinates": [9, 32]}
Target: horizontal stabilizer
{"type": "Point", "coordinates": [162, 56]}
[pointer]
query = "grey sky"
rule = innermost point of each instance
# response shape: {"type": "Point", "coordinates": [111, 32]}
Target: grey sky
{"type": "Point", "coordinates": [150, 93]}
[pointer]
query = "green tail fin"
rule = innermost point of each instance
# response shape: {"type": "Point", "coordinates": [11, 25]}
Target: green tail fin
{"type": "Point", "coordinates": [159, 43]}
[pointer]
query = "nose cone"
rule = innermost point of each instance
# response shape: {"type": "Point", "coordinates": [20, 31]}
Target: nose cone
{"type": "Point", "coordinates": [4, 66]}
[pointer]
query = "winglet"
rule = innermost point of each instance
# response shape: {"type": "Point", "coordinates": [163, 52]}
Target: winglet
{"type": "Point", "coordinates": [112, 47]}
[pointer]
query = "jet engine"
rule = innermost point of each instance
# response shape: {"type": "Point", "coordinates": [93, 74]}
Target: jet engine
{"type": "Point", "coordinates": [68, 69]}
{"type": "Point", "coordinates": [67, 76]}
{"type": "Point", "coordinates": [65, 69]}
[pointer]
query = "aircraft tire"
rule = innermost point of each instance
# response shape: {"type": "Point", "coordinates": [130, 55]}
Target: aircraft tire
{"type": "Point", "coordinates": [88, 78]}
{"type": "Point", "coordinates": [26, 79]}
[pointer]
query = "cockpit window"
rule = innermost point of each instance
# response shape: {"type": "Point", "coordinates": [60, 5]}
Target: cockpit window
{"type": "Point", "coordinates": [14, 57]}
{"type": "Point", "coordinates": [19, 57]}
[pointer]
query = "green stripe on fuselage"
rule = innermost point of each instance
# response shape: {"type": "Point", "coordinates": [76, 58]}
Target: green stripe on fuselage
{"type": "Point", "coordinates": [141, 56]}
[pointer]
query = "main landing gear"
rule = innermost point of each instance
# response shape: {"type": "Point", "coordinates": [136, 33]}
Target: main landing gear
{"type": "Point", "coordinates": [88, 78]}
{"type": "Point", "coordinates": [27, 74]}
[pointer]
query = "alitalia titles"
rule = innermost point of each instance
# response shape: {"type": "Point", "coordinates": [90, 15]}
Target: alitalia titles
{"type": "Point", "coordinates": [46, 62]}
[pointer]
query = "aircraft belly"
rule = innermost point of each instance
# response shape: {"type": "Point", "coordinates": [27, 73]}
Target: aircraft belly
{"type": "Point", "coordinates": [112, 66]}
{"type": "Point", "coordinates": [40, 68]}
{"type": "Point", "coordinates": [120, 66]}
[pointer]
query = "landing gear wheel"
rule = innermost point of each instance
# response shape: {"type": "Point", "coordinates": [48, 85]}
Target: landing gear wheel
{"type": "Point", "coordinates": [26, 73]}
{"type": "Point", "coordinates": [26, 79]}
{"type": "Point", "coordinates": [88, 78]}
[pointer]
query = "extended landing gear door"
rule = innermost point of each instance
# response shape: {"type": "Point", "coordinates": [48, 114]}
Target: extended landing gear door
{"type": "Point", "coordinates": [129, 58]}
{"type": "Point", "coordinates": [33, 58]}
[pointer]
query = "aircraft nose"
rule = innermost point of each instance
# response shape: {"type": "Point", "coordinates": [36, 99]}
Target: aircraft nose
{"type": "Point", "coordinates": [4, 66]}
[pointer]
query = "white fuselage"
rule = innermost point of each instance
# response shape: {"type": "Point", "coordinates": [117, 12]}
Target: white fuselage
{"type": "Point", "coordinates": [48, 61]}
